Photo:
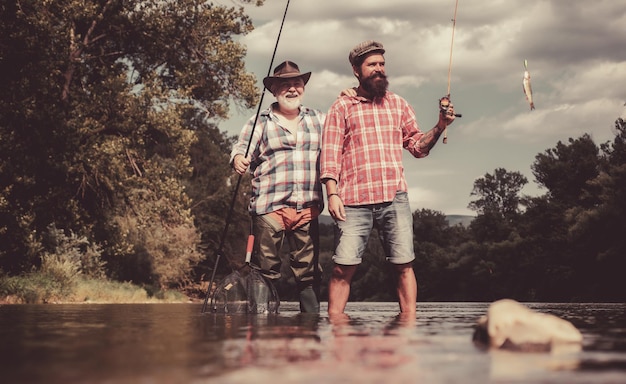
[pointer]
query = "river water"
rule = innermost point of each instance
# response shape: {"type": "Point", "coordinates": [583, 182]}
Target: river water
{"type": "Point", "coordinates": [176, 343]}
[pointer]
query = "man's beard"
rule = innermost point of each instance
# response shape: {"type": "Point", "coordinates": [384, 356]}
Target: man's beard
{"type": "Point", "coordinates": [376, 85]}
{"type": "Point", "coordinates": [289, 103]}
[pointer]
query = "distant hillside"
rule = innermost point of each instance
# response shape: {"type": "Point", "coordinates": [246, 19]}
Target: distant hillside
{"type": "Point", "coordinates": [453, 220]}
{"type": "Point", "coordinates": [464, 220]}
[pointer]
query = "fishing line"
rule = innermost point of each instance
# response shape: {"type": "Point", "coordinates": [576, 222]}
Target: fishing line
{"type": "Point", "coordinates": [234, 198]}
{"type": "Point", "coordinates": [447, 98]}
{"type": "Point", "coordinates": [452, 45]}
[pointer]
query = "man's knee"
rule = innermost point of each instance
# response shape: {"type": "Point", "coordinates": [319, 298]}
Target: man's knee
{"type": "Point", "coordinates": [404, 268]}
{"type": "Point", "coordinates": [343, 272]}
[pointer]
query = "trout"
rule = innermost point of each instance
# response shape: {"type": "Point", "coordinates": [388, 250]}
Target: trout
{"type": "Point", "coordinates": [528, 91]}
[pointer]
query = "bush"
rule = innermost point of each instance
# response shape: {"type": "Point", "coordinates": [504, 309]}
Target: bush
{"type": "Point", "coordinates": [33, 288]}
{"type": "Point", "coordinates": [67, 256]}
{"type": "Point", "coordinates": [38, 288]}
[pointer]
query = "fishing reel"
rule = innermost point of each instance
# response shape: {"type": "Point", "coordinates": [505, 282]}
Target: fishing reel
{"type": "Point", "coordinates": [444, 104]}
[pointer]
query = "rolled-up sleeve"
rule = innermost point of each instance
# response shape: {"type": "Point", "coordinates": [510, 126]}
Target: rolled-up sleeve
{"type": "Point", "coordinates": [240, 147]}
{"type": "Point", "coordinates": [332, 142]}
{"type": "Point", "coordinates": [411, 133]}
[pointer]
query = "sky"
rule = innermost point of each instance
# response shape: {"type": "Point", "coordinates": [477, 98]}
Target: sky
{"type": "Point", "coordinates": [576, 53]}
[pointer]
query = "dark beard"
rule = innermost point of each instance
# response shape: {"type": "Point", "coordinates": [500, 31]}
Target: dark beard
{"type": "Point", "coordinates": [376, 85]}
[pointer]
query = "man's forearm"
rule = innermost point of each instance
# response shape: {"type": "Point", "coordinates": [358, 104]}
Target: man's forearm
{"type": "Point", "coordinates": [331, 186]}
{"type": "Point", "coordinates": [430, 138]}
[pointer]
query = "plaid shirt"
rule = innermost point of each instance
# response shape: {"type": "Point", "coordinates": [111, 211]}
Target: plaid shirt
{"type": "Point", "coordinates": [362, 147]}
{"type": "Point", "coordinates": [284, 165]}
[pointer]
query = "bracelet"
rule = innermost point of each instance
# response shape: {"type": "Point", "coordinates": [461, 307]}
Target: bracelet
{"type": "Point", "coordinates": [332, 194]}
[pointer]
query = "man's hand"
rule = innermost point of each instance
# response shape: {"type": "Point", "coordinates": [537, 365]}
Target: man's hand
{"type": "Point", "coordinates": [336, 208]}
{"type": "Point", "coordinates": [350, 92]}
{"type": "Point", "coordinates": [446, 116]}
{"type": "Point", "coordinates": [240, 164]}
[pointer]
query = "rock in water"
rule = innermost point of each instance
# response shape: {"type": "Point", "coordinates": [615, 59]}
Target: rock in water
{"type": "Point", "coordinates": [510, 325]}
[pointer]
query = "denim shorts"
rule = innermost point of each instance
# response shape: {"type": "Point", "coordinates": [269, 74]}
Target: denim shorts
{"type": "Point", "coordinates": [394, 223]}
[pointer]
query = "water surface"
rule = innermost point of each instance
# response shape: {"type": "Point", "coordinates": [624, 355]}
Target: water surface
{"type": "Point", "coordinates": [175, 343]}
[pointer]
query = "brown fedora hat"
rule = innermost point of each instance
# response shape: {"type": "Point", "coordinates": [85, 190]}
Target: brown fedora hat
{"type": "Point", "coordinates": [285, 70]}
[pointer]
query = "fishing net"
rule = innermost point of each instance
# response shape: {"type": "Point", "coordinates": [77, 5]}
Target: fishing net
{"type": "Point", "coordinates": [245, 291]}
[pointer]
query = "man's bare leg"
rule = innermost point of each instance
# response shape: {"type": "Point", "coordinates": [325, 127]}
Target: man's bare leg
{"type": "Point", "coordinates": [407, 288]}
{"type": "Point", "coordinates": [339, 288]}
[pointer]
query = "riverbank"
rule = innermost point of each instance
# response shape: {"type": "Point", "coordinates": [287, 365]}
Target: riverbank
{"type": "Point", "coordinates": [36, 288]}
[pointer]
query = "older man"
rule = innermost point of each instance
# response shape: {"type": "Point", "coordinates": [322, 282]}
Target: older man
{"type": "Point", "coordinates": [287, 197]}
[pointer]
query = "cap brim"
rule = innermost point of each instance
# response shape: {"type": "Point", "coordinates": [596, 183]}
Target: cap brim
{"type": "Point", "coordinates": [367, 52]}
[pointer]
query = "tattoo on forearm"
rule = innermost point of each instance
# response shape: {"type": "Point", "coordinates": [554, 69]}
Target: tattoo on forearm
{"type": "Point", "coordinates": [430, 139]}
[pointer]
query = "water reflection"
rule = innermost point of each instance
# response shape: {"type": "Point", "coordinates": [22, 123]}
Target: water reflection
{"type": "Point", "coordinates": [267, 341]}
{"type": "Point", "coordinates": [378, 347]}
{"type": "Point", "coordinates": [371, 344]}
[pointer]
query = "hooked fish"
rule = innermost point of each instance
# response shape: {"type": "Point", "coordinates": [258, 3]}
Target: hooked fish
{"type": "Point", "coordinates": [528, 91]}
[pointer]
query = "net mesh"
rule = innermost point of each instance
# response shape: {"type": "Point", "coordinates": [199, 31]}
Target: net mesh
{"type": "Point", "coordinates": [245, 292]}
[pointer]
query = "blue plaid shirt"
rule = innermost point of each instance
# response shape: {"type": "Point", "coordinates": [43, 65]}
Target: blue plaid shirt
{"type": "Point", "coordinates": [284, 165]}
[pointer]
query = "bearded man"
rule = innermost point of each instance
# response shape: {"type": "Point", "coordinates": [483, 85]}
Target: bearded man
{"type": "Point", "coordinates": [361, 167]}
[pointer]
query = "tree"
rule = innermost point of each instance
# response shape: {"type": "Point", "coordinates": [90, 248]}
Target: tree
{"type": "Point", "coordinates": [430, 226]}
{"type": "Point", "coordinates": [566, 170]}
{"type": "Point", "coordinates": [213, 188]}
{"type": "Point", "coordinates": [96, 125]}
{"type": "Point", "coordinates": [498, 193]}
{"type": "Point", "coordinates": [599, 229]}
{"type": "Point", "coordinates": [498, 204]}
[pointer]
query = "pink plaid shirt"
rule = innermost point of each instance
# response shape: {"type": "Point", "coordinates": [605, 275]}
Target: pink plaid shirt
{"type": "Point", "coordinates": [362, 145]}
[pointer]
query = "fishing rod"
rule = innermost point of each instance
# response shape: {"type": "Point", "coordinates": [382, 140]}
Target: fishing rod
{"type": "Point", "coordinates": [444, 102]}
{"type": "Point", "coordinates": [234, 198]}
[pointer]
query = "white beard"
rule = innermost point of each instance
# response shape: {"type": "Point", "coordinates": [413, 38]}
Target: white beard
{"type": "Point", "coordinates": [289, 103]}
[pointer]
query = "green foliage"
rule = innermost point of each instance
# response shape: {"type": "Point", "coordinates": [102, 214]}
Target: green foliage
{"type": "Point", "coordinates": [566, 170]}
{"type": "Point", "coordinates": [37, 288]}
{"type": "Point", "coordinates": [103, 291]}
{"type": "Point", "coordinates": [430, 226]}
{"type": "Point", "coordinates": [65, 259]}
{"type": "Point", "coordinates": [498, 193]}
{"type": "Point", "coordinates": [101, 104]}
{"type": "Point", "coordinates": [156, 244]}
{"type": "Point", "coordinates": [597, 230]}
{"type": "Point", "coordinates": [213, 186]}
{"type": "Point", "coordinates": [555, 250]}
{"type": "Point", "coordinates": [33, 288]}
{"type": "Point", "coordinates": [498, 204]}
{"type": "Point", "coordinates": [70, 255]}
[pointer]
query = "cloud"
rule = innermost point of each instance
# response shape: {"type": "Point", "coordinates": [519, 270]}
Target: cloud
{"type": "Point", "coordinates": [575, 50]}
{"type": "Point", "coordinates": [420, 197]}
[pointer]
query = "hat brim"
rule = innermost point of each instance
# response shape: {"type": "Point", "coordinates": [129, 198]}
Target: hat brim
{"type": "Point", "coordinates": [270, 80]}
